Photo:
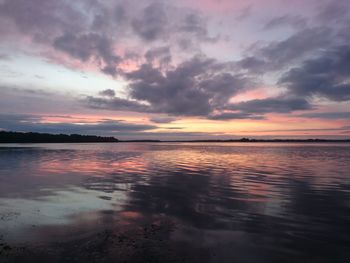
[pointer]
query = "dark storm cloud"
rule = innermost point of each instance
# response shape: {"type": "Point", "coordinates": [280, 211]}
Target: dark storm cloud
{"type": "Point", "coordinates": [326, 76]}
{"type": "Point", "coordinates": [27, 123]}
{"type": "Point", "coordinates": [286, 20]}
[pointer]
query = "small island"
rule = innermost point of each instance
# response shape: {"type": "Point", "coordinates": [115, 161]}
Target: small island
{"type": "Point", "coordinates": [33, 137]}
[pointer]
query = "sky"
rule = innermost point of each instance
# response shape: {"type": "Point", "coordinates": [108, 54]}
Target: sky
{"type": "Point", "coordinates": [175, 70]}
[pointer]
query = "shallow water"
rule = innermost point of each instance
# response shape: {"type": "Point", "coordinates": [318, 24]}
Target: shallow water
{"type": "Point", "coordinates": [175, 202]}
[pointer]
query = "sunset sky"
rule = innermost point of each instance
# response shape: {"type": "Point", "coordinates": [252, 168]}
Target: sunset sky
{"type": "Point", "coordinates": [182, 69]}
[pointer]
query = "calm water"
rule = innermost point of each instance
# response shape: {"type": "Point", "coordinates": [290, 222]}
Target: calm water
{"type": "Point", "coordinates": [175, 202]}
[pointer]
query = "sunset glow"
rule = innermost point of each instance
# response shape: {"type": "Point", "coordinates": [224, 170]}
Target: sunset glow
{"type": "Point", "coordinates": [174, 70]}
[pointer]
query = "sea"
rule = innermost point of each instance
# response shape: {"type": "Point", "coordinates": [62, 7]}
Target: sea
{"type": "Point", "coordinates": [175, 202]}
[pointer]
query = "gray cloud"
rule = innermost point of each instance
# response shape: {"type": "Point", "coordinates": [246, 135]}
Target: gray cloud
{"type": "Point", "coordinates": [162, 119]}
{"type": "Point", "coordinates": [198, 87]}
{"type": "Point", "coordinates": [88, 46]}
{"type": "Point", "coordinates": [313, 35]}
{"type": "Point", "coordinates": [244, 13]}
{"type": "Point", "coordinates": [301, 130]}
{"type": "Point", "coordinates": [152, 22]}
{"type": "Point", "coordinates": [294, 21]}
{"type": "Point", "coordinates": [256, 109]}
{"type": "Point", "coordinates": [32, 123]}
{"type": "Point", "coordinates": [160, 54]}
{"type": "Point", "coordinates": [327, 115]}
{"type": "Point", "coordinates": [326, 76]}
{"type": "Point", "coordinates": [119, 129]}
{"type": "Point", "coordinates": [42, 18]}
{"type": "Point", "coordinates": [195, 24]}
{"type": "Point", "coordinates": [114, 103]}
{"type": "Point", "coordinates": [276, 55]}
{"type": "Point", "coordinates": [92, 31]}
{"type": "Point", "coordinates": [4, 57]}
{"type": "Point", "coordinates": [107, 93]}
{"type": "Point", "coordinates": [333, 11]}
{"type": "Point", "coordinates": [194, 88]}
{"type": "Point", "coordinates": [235, 115]}
{"type": "Point", "coordinates": [281, 104]}
{"type": "Point", "coordinates": [16, 99]}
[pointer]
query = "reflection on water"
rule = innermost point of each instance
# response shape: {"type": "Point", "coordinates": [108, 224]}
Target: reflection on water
{"type": "Point", "coordinates": [144, 202]}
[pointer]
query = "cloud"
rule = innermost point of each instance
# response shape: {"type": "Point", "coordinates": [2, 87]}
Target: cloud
{"type": "Point", "coordinates": [4, 57]}
{"type": "Point", "coordinates": [325, 76]}
{"type": "Point", "coordinates": [162, 55]}
{"type": "Point", "coordinates": [162, 119]}
{"type": "Point", "coordinates": [89, 46]}
{"type": "Point", "coordinates": [193, 88]}
{"type": "Point", "coordinates": [235, 116]}
{"type": "Point", "coordinates": [257, 108]}
{"type": "Point", "coordinates": [198, 87]}
{"type": "Point", "coordinates": [114, 103]}
{"type": "Point", "coordinates": [120, 129]}
{"type": "Point", "coordinates": [281, 104]}
{"type": "Point", "coordinates": [16, 99]}
{"type": "Point", "coordinates": [295, 21]}
{"type": "Point", "coordinates": [275, 56]}
{"type": "Point", "coordinates": [99, 32]}
{"type": "Point", "coordinates": [195, 24]}
{"type": "Point", "coordinates": [107, 93]}
{"type": "Point", "coordinates": [327, 115]}
{"type": "Point", "coordinates": [169, 73]}
{"type": "Point", "coordinates": [41, 18]}
{"type": "Point", "coordinates": [34, 123]}
{"type": "Point", "coordinates": [152, 22]}
{"type": "Point", "coordinates": [299, 130]}
{"type": "Point", "coordinates": [333, 11]}
{"type": "Point", "coordinates": [244, 13]}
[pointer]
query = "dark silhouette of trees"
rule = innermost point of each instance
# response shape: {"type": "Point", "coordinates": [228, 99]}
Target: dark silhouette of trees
{"type": "Point", "coordinates": [33, 137]}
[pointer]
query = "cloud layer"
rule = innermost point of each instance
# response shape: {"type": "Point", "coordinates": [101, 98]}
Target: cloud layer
{"type": "Point", "coordinates": [177, 60]}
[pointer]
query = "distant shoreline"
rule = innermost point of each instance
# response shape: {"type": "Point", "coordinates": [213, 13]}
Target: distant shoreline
{"type": "Point", "coordinates": [33, 137]}
{"type": "Point", "coordinates": [243, 141]}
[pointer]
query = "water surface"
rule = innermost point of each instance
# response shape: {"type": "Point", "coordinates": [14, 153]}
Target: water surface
{"type": "Point", "coordinates": [175, 202]}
